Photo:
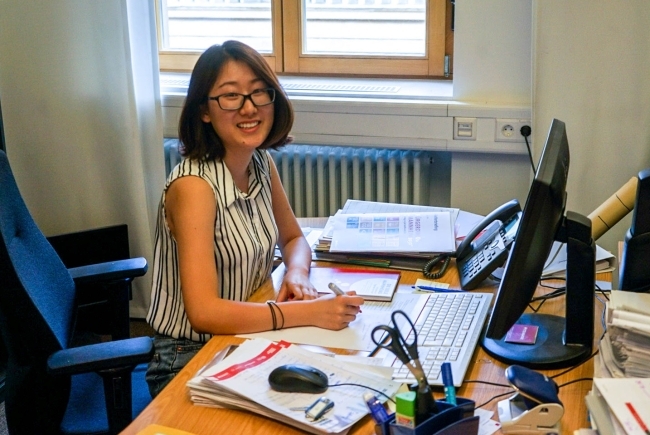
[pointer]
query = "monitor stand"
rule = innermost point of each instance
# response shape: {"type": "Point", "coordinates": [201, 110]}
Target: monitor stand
{"type": "Point", "coordinates": [561, 341]}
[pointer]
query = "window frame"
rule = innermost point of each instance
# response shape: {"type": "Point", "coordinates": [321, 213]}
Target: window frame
{"type": "Point", "coordinates": [287, 47]}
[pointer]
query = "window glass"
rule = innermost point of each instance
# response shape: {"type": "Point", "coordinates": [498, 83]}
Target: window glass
{"type": "Point", "coordinates": [407, 38]}
{"type": "Point", "coordinates": [195, 25]}
{"type": "Point", "coordinates": [364, 27]}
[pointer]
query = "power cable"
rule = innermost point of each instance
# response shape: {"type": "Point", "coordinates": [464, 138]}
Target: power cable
{"type": "Point", "coordinates": [525, 132]}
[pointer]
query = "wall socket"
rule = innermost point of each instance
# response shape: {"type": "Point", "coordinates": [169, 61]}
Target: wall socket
{"type": "Point", "coordinates": [508, 130]}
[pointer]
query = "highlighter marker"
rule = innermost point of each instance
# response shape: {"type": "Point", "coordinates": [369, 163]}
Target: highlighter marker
{"type": "Point", "coordinates": [406, 405]}
{"type": "Point", "coordinates": [377, 410]}
{"type": "Point", "coordinates": [448, 381]}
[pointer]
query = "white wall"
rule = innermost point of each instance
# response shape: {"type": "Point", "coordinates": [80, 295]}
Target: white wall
{"type": "Point", "coordinates": [492, 67]}
{"type": "Point", "coordinates": [492, 52]}
{"type": "Point", "coordinates": [592, 71]}
{"type": "Point", "coordinates": [81, 109]}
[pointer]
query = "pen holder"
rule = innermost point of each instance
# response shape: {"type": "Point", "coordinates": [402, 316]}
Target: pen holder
{"type": "Point", "coordinates": [450, 420]}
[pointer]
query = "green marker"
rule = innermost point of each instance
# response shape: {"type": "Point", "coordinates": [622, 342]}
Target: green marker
{"type": "Point", "coordinates": [406, 406]}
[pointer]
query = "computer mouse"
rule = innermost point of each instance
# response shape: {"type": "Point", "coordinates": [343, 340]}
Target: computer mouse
{"type": "Point", "coordinates": [298, 378]}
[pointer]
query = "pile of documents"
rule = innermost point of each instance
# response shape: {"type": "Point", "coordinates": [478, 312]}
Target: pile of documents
{"type": "Point", "coordinates": [555, 266]}
{"type": "Point", "coordinates": [620, 406]}
{"type": "Point", "coordinates": [619, 402]}
{"type": "Point", "coordinates": [387, 235]}
{"type": "Point", "coordinates": [240, 381]}
{"type": "Point", "coordinates": [625, 348]}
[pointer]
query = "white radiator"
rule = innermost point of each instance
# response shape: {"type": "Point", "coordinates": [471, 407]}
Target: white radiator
{"type": "Point", "coordinates": [319, 179]}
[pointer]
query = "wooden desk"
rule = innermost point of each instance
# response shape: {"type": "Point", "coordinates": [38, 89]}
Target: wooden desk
{"type": "Point", "coordinates": [174, 409]}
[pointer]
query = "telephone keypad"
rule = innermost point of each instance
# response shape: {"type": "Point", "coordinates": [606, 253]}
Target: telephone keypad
{"type": "Point", "coordinates": [476, 268]}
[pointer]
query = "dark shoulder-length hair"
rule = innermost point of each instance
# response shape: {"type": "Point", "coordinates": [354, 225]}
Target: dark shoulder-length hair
{"type": "Point", "coordinates": [198, 140]}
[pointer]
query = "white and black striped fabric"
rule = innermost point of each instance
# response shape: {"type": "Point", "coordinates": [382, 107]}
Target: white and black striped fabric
{"type": "Point", "coordinates": [245, 236]}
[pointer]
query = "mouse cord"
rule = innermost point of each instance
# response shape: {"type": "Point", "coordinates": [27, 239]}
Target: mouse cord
{"type": "Point", "coordinates": [575, 366]}
{"type": "Point", "coordinates": [364, 386]}
{"type": "Point", "coordinates": [574, 381]}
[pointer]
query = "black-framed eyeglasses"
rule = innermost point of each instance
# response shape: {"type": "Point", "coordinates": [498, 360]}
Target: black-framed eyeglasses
{"type": "Point", "coordinates": [235, 101]}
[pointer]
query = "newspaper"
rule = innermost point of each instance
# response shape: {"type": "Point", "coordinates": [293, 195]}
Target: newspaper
{"type": "Point", "coordinates": [240, 381]}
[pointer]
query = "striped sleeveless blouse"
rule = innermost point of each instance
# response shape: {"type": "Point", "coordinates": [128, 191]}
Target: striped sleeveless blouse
{"type": "Point", "coordinates": [245, 236]}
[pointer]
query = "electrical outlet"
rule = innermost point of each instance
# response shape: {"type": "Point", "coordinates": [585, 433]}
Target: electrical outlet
{"type": "Point", "coordinates": [508, 130]}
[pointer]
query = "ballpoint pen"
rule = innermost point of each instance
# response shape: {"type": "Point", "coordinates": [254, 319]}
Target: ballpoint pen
{"type": "Point", "coordinates": [335, 289]}
{"type": "Point", "coordinates": [448, 381]}
{"type": "Point", "coordinates": [427, 288]}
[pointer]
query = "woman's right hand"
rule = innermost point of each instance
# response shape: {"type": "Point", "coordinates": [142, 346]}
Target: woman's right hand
{"type": "Point", "coordinates": [336, 312]}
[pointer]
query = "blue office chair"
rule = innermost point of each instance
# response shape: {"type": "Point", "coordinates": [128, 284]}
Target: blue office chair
{"type": "Point", "coordinates": [51, 387]}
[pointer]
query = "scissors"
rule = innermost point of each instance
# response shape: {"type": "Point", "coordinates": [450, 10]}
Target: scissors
{"type": "Point", "coordinates": [390, 338]}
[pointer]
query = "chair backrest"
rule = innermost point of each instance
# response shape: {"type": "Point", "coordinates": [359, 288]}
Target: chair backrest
{"type": "Point", "coordinates": [36, 312]}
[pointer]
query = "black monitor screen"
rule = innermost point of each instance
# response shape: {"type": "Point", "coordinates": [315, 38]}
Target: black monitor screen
{"type": "Point", "coordinates": [542, 216]}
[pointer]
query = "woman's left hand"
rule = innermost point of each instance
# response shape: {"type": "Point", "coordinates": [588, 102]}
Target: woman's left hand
{"type": "Point", "coordinates": [296, 286]}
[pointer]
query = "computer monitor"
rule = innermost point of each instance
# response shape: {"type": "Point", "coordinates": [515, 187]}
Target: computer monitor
{"type": "Point", "coordinates": [538, 340]}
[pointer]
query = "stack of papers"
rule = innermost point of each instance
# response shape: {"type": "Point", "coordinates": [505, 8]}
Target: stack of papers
{"type": "Point", "coordinates": [555, 266]}
{"type": "Point", "coordinates": [240, 381]}
{"type": "Point", "coordinates": [620, 406]}
{"type": "Point", "coordinates": [419, 233]}
{"type": "Point", "coordinates": [387, 235]}
{"type": "Point", "coordinates": [625, 348]}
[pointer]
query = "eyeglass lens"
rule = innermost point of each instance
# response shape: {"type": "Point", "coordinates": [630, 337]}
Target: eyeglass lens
{"type": "Point", "coordinates": [234, 101]}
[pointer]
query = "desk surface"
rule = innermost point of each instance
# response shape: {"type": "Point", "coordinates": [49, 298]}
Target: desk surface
{"type": "Point", "coordinates": [174, 409]}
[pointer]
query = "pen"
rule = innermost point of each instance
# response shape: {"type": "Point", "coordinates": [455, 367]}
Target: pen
{"type": "Point", "coordinates": [335, 289]}
{"type": "Point", "coordinates": [448, 381]}
{"type": "Point", "coordinates": [426, 288]}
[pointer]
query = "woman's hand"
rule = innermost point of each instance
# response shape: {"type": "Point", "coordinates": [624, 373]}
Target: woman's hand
{"type": "Point", "coordinates": [336, 312]}
{"type": "Point", "coordinates": [296, 286]}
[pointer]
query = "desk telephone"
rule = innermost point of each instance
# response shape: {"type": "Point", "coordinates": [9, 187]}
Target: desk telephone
{"type": "Point", "coordinates": [486, 247]}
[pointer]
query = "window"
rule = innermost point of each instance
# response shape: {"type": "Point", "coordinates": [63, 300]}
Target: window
{"type": "Point", "coordinates": [408, 38]}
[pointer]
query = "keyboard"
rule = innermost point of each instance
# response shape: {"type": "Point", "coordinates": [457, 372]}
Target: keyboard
{"type": "Point", "coordinates": [448, 327]}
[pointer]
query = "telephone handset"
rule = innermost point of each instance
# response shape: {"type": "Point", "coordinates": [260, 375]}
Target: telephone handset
{"type": "Point", "coordinates": [485, 248]}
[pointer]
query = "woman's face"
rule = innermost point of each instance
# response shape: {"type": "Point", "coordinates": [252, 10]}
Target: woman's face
{"type": "Point", "coordinates": [248, 126]}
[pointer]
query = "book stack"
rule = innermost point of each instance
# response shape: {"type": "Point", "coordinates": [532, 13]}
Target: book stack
{"type": "Point", "coordinates": [625, 347]}
{"type": "Point", "coordinates": [240, 381]}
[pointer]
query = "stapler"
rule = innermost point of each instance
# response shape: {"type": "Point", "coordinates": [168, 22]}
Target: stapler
{"type": "Point", "coordinates": [535, 409]}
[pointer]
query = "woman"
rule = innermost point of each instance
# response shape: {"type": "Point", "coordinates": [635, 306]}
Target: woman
{"type": "Point", "coordinates": [222, 212]}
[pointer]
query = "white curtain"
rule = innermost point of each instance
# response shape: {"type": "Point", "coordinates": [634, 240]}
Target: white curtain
{"type": "Point", "coordinates": [83, 125]}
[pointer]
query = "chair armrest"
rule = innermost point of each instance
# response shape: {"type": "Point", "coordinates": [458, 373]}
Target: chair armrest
{"type": "Point", "coordinates": [102, 356]}
{"type": "Point", "coordinates": [112, 270]}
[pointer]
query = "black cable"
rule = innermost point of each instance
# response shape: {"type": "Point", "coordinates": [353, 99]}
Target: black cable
{"type": "Point", "coordinates": [477, 381]}
{"type": "Point", "coordinates": [493, 397]}
{"type": "Point", "coordinates": [574, 381]}
{"type": "Point", "coordinates": [525, 132]}
{"type": "Point", "coordinates": [364, 386]}
{"type": "Point", "coordinates": [442, 261]}
{"type": "Point", "coordinates": [574, 367]}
